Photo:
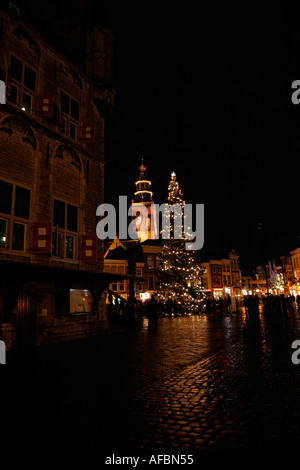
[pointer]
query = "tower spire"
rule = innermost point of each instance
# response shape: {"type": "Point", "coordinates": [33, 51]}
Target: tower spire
{"type": "Point", "coordinates": [143, 192]}
{"type": "Point", "coordinates": [143, 169]}
{"type": "Point", "coordinates": [144, 196]}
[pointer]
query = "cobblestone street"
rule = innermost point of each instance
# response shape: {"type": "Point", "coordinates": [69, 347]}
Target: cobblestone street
{"type": "Point", "coordinates": [193, 383]}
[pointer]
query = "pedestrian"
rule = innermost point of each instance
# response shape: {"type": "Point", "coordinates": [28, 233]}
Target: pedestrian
{"type": "Point", "coordinates": [169, 306]}
{"type": "Point", "coordinates": [152, 311]}
{"type": "Point", "coordinates": [220, 302]}
{"type": "Point", "coordinates": [225, 305]}
{"type": "Point", "coordinates": [207, 306]}
{"type": "Point", "coordinates": [229, 303]}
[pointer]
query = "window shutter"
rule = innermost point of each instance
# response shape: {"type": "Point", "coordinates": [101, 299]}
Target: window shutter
{"type": "Point", "coordinates": [41, 237]}
{"type": "Point", "coordinates": [89, 247]}
{"type": "Point", "coordinates": [87, 132]}
{"type": "Point", "coordinates": [46, 105]}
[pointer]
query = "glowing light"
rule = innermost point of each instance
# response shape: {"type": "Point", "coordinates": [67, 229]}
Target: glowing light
{"type": "Point", "coordinates": [144, 296]}
{"type": "Point", "coordinates": [143, 181]}
{"type": "Point", "coordinates": [143, 191]}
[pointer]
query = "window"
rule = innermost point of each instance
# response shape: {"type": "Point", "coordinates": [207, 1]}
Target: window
{"type": "Point", "coordinates": [69, 115]}
{"type": "Point", "coordinates": [151, 282]}
{"type": "Point", "coordinates": [157, 261]}
{"type": "Point", "coordinates": [122, 286]}
{"type": "Point", "coordinates": [139, 271]}
{"type": "Point", "coordinates": [150, 262]}
{"type": "Point", "coordinates": [3, 233]}
{"type": "Point", "coordinates": [14, 216]}
{"type": "Point", "coordinates": [64, 236]}
{"type": "Point", "coordinates": [22, 84]}
{"type": "Point", "coordinates": [81, 301]}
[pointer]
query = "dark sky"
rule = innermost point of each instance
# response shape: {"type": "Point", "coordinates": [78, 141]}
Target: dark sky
{"type": "Point", "coordinates": [205, 91]}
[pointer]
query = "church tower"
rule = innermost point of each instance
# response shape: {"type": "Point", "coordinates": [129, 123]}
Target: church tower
{"type": "Point", "coordinates": [144, 196]}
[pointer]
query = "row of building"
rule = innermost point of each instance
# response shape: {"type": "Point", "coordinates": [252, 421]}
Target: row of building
{"type": "Point", "coordinates": [278, 278]}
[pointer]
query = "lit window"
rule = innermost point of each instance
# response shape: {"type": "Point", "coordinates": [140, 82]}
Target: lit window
{"type": "Point", "coordinates": [81, 301]}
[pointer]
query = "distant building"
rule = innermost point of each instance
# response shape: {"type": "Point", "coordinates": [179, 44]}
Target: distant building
{"type": "Point", "coordinates": [148, 259]}
{"type": "Point", "coordinates": [268, 279]}
{"type": "Point", "coordinates": [246, 284]}
{"type": "Point", "coordinates": [291, 271]}
{"type": "Point", "coordinates": [51, 181]}
{"type": "Point", "coordinates": [222, 276]}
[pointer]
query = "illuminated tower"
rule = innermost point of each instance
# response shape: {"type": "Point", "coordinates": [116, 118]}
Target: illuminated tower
{"type": "Point", "coordinates": [144, 196]}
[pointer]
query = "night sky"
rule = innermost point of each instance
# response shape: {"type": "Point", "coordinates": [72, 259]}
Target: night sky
{"type": "Point", "coordinates": [206, 92]}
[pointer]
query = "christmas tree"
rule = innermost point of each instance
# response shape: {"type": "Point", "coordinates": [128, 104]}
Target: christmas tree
{"type": "Point", "coordinates": [179, 275]}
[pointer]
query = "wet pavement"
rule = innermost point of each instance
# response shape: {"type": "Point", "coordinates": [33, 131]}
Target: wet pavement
{"type": "Point", "coordinates": [192, 384]}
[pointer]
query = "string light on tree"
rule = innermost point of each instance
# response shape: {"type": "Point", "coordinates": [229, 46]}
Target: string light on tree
{"type": "Point", "coordinates": [180, 272]}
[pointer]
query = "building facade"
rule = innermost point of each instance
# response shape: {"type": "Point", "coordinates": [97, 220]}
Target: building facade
{"type": "Point", "coordinates": [51, 182]}
{"type": "Point", "coordinates": [291, 272]}
{"type": "Point", "coordinates": [222, 276]}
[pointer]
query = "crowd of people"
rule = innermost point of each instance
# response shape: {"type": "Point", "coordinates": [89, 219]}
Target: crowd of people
{"type": "Point", "coordinates": [222, 304]}
{"type": "Point", "coordinates": [271, 303]}
{"type": "Point", "coordinates": [154, 308]}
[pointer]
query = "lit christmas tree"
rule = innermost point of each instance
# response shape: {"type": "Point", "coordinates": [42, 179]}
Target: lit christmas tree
{"type": "Point", "coordinates": [179, 275]}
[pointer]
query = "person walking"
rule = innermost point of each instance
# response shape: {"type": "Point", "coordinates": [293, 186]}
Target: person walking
{"type": "Point", "coordinates": [220, 302]}
{"type": "Point", "coordinates": [208, 306]}
{"type": "Point", "coordinates": [229, 304]}
{"type": "Point", "coordinates": [153, 311]}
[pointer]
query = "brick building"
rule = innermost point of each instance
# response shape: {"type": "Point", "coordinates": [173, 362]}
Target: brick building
{"type": "Point", "coordinates": [51, 181]}
{"type": "Point", "coordinates": [222, 275]}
